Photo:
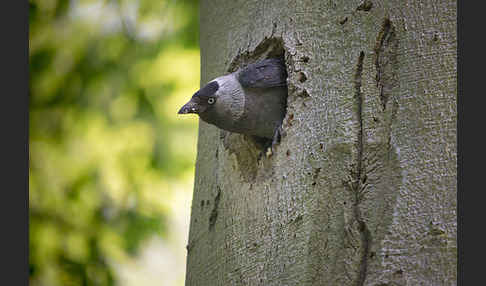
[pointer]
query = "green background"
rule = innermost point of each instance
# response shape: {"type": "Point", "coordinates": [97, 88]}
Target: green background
{"type": "Point", "coordinates": [111, 163]}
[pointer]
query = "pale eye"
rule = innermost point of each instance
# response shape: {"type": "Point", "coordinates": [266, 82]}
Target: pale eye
{"type": "Point", "coordinates": [211, 100]}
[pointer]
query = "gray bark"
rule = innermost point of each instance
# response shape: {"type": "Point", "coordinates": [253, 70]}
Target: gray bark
{"type": "Point", "coordinates": [362, 188]}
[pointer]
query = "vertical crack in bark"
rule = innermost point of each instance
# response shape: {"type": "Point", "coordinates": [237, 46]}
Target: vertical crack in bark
{"type": "Point", "coordinates": [385, 57]}
{"type": "Point", "coordinates": [214, 212]}
{"type": "Point", "coordinates": [359, 105]}
{"type": "Point", "coordinates": [359, 176]}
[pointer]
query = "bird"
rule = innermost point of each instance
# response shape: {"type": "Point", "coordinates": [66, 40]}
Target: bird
{"type": "Point", "coordinates": [251, 101]}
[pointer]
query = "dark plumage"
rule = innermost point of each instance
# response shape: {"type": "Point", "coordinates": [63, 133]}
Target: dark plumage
{"type": "Point", "coordinates": [250, 101]}
{"type": "Point", "coordinates": [264, 74]}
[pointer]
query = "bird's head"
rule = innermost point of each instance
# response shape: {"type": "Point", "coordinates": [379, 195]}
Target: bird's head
{"type": "Point", "coordinates": [203, 100]}
{"type": "Point", "coordinates": [220, 102]}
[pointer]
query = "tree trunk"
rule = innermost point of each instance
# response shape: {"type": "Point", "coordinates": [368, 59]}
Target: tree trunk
{"type": "Point", "coordinates": [362, 188]}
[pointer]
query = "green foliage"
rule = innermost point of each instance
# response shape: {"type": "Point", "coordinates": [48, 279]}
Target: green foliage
{"type": "Point", "coordinates": [106, 148]}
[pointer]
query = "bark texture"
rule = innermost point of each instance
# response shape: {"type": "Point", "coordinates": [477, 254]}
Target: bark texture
{"type": "Point", "coordinates": [362, 188]}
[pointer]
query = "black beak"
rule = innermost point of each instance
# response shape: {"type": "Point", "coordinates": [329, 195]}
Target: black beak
{"type": "Point", "coordinates": [189, 107]}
